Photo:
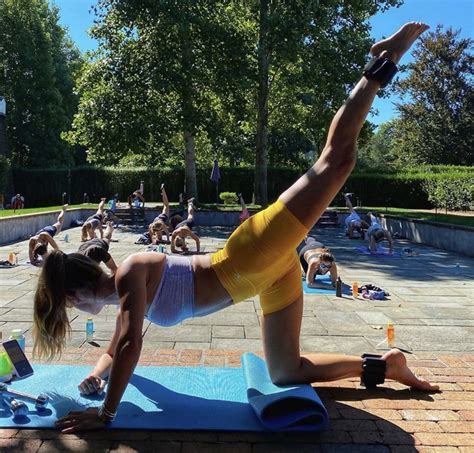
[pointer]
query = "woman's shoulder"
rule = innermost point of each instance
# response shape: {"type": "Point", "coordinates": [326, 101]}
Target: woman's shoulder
{"type": "Point", "coordinates": [139, 264]}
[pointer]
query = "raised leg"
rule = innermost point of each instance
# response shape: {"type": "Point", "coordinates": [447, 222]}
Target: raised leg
{"type": "Point", "coordinates": [349, 203]}
{"type": "Point", "coordinates": [166, 203]}
{"type": "Point", "coordinates": [100, 209]}
{"type": "Point", "coordinates": [190, 209]}
{"type": "Point", "coordinates": [60, 222]}
{"type": "Point", "coordinates": [311, 194]}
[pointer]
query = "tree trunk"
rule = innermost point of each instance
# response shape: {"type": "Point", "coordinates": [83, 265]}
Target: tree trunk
{"type": "Point", "coordinates": [190, 165]}
{"type": "Point", "coordinates": [261, 151]}
{"type": "Point", "coordinates": [188, 114]}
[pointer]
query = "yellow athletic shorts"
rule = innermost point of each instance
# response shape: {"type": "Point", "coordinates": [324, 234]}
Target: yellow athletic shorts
{"type": "Point", "coordinates": [260, 258]}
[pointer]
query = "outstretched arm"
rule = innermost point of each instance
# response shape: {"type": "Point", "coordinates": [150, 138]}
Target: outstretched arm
{"type": "Point", "coordinates": [95, 382]}
{"type": "Point", "coordinates": [174, 236]}
{"type": "Point", "coordinates": [333, 273]}
{"type": "Point", "coordinates": [167, 231]}
{"type": "Point", "coordinates": [196, 239]}
{"type": "Point", "coordinates": [111, 265]}
{"type": "Point", "coordinates": [46, 237]}
{"type": "Point", "coordinates": [311, 274]}
{"type": "Point", "coordinates": [372, 244]}
{"type": "Point", "coordinates": [31, 247]}
{"type": "Point", "coordinates": [131, 287]}
{"type": "Point", "coordinates": [390, 241]}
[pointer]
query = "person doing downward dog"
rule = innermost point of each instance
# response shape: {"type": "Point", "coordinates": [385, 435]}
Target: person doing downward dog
{"type": "Point", "coordinates": [355, 226]}
{"type": "Point", "coordinates": [94, 222]}
{"type": "Point", "coordinates": [259, 258]}
{"type": "Point", "coordinates": [38, 245]}
{"type": "Point", "coordinates": [98, 249]}
{"type": "Point", "coordinates": [376, 233]}
{"type": "Point", "coordinates": [315, 259]}
{"type": "Point", "coordinates": [184, 230]}
{"type": "Point", "coordinates": [160, 224]}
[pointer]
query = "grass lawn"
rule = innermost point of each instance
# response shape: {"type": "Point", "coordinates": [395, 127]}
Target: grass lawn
{"type": "Point", "coordinates": [12, 213]}
{"type": "Point", "coordinates": [463, 220]}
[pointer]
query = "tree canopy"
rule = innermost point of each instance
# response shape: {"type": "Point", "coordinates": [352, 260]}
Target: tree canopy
{"type": "Point", "coordinates": [248, 82]}
{"type": "Point", "coordinates": [37, 72]}
{"type": "Point", "coordinates": [437, 121]}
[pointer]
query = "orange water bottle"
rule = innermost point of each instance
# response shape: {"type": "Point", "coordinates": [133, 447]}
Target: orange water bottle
{"type": "Point", "coordinates": [390, 335]}
{"type": "Point", "coordinates": [355, 289]}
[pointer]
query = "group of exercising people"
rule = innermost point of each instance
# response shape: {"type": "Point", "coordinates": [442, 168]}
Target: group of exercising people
{"type": "Point", "coordinates": [315, 257]}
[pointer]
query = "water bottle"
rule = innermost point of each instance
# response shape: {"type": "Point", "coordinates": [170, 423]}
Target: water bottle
{"type": "Point", "coordinates": [390, 335]}
{"type": "Point", "coordinates": [338, 287]}
{"type": "Point", "coordinates": [66, 237]}
{"type": "Point", "coordinates": [355, 289]}
{"type": "Point", "coordinates": [89, 330]}
{"type": "Point", "coordinates": [17, 334]}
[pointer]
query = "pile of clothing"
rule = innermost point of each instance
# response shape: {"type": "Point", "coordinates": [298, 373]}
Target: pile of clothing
{"type": "Point", "coordinates": [373, 292]}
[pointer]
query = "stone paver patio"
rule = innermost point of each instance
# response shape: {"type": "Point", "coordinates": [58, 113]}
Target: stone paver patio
{"type": "Point", "coordinates": [431, 305]}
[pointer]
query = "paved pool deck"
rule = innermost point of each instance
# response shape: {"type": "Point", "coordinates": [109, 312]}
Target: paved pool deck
{"type": "Point", "coordinates": [431, 305]}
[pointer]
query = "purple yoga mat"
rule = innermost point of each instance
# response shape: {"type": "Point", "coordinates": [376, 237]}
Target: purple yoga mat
{"type": "Point", "coordinates": [380, 252]}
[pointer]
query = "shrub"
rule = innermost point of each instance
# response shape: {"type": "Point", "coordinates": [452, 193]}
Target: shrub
{"type": "Point", "coordinates": [228, 197]}
{"type": "Point", "coordinates": [403, 189]}
{"type": "Point", "coordinates": [450, 193]}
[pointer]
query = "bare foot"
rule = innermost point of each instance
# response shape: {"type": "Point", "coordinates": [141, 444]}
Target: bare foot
{"type": "Point", "coordinates": [396, 45]}
{"type": "Point", "coordinates": [397, 369]}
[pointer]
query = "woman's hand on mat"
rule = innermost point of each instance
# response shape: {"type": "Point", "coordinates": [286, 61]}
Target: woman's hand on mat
{"type": "Point", "coordinates": [77, 421]}
{"type": "Point", "coordinates": [92, 384]}
{"type": "Point", "coordinates": [397, 369]}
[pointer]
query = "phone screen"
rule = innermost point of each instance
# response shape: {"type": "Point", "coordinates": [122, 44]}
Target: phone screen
{"type": "Point", "coordinates": [18, 358]}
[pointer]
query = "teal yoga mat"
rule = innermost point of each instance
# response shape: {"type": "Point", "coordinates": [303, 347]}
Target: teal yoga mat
{"type": "Point", "coordinates": [180, 398]}
{"type": "Point", "coordinates": [328, 289]}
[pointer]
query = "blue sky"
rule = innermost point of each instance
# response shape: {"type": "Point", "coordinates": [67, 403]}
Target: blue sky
{"type": "Point", "coordinates": [458, 14]}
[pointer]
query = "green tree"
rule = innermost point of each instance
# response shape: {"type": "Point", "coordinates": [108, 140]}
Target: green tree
{"type": "Point", "coordinates": [165, 77]}
{"type": "Point", "coordinates": [37, 71]}
{"type": "Point", "coordinates": [379, 150]}
{"type": "Point", "coordinates": [436, 125]}
{"type": "Point", "coordinates": [309, 53]}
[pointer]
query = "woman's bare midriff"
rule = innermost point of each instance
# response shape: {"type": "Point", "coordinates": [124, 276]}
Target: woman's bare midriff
{"type": "Point", "coordinates": [208, 290]}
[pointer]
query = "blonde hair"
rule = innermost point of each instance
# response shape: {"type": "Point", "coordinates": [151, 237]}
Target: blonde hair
{"type": "Point", "coordinates": [60, 274]}
{"type": "Point", "coordinates": [85, 231]}
{"type": "Point", "coordinates": [157, 226]}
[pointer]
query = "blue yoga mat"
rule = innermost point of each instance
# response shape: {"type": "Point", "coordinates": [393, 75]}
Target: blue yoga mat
{"type": "Point", "coordinates": [380, 252]}
{"type": "Point", "coordinates": [326, 281]}
{"type": "Point", "coordinates": [180, 398]}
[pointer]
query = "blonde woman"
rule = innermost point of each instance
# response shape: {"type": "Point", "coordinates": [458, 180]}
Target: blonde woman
{"type": "Point", "coordinates": [161, 223]}
{"type": "Point", "coordinates": [38, 244]}
{"type": "Point", "coordinates": [93, 223]}
{"type": "Point", "coordinates": [258, 258]}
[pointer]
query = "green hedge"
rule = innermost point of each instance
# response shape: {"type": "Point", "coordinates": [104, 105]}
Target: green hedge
{"type": "Point", "coordinates": [43, 187]}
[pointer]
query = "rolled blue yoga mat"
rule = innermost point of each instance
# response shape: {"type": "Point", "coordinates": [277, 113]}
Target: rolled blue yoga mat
{"type": "Point", "coordinates": [180, 398]}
